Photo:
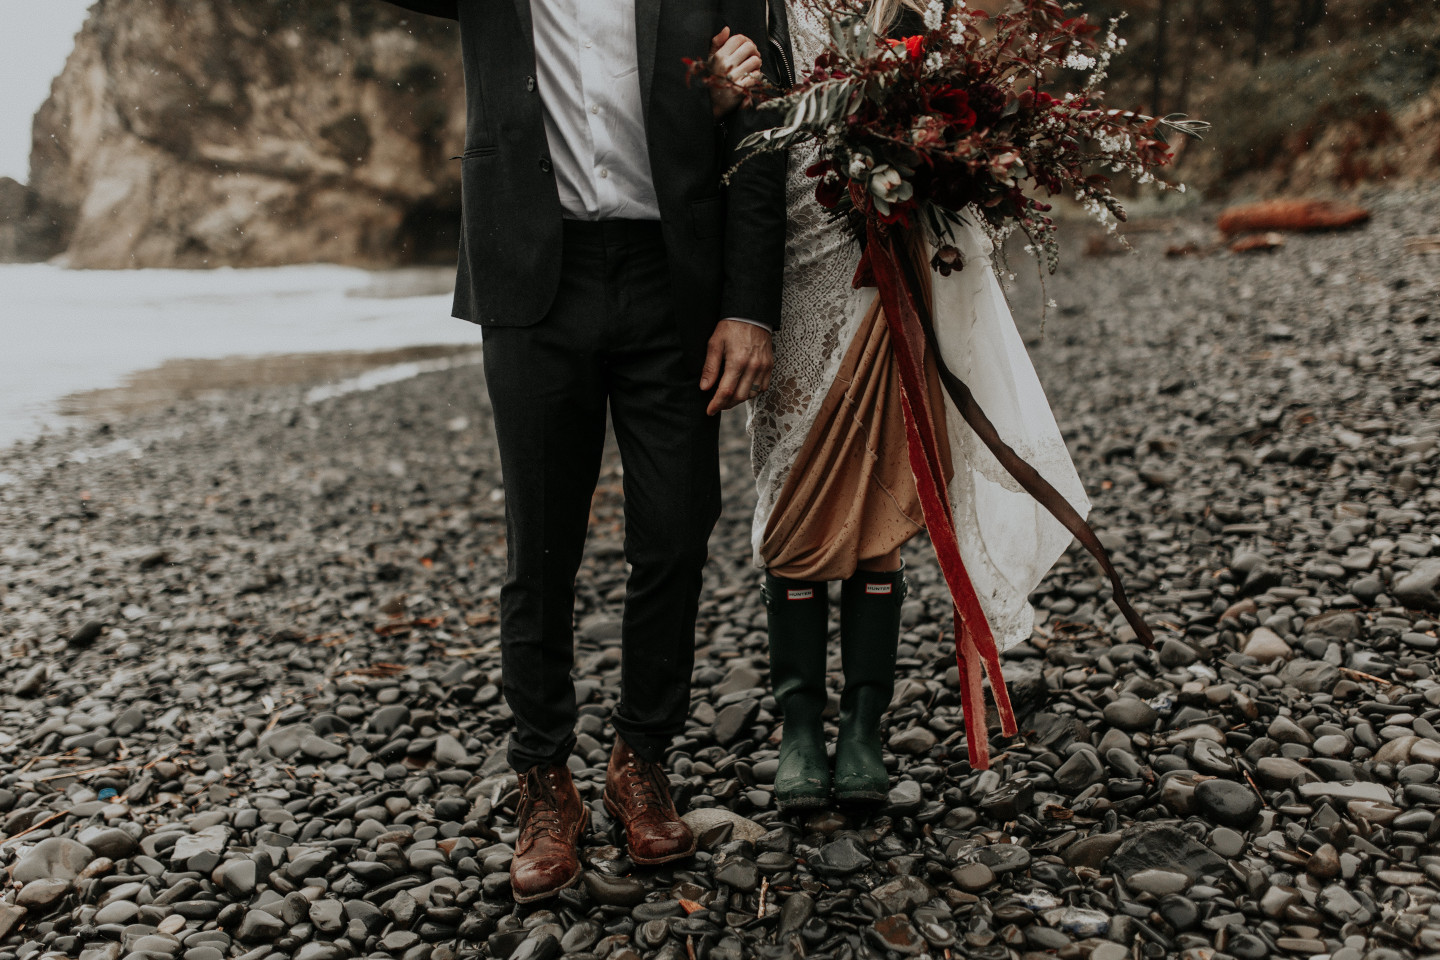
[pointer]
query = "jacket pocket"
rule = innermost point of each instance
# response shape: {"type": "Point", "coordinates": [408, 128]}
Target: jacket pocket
{"type": "Point", "coordinates": [709, 216]}
{"type": "Point", "coordinates": [475, 153]}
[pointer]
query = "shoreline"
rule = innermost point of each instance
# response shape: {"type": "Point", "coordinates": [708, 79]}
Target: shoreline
{"type": "Point", "coordinates": [72, 332]}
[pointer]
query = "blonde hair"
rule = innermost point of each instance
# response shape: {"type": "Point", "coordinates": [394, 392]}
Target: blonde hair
{"type": "Point", "coordinates": [884, 12]}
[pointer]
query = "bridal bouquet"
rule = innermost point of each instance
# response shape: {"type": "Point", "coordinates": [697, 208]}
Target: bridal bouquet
{"type": "Point", "coordinates": [916, 131]}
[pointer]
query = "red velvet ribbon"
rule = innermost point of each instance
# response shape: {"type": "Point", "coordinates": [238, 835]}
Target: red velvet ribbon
{"type": "Point", "coordinates": [975, 650]}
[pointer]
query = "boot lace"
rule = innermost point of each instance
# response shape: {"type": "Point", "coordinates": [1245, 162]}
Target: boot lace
{"type": "Point", "coordinates": [542, 810]}
{"type": "Point", "coordinates": [646, 785]}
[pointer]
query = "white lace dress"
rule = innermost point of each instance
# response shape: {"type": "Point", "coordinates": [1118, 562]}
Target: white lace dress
{"type": "Point", "coordinates": [1007, 540]}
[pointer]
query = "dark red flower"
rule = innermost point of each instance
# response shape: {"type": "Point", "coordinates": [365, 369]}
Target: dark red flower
{"type": "Point", "coordinates": [915, 47]}
{"type": "Point", "coordinates": [988, 102]}
{"type": "Point", "coordinates": [947, 260]}
{"type": "Point", "coordinates": [953, 105]}
{"type": "Point", "coordinates": [1032, 99]}
{"type": "Point", "coordinates": [818, 169]}
{"type": "Point", "coordinates": [829, 192]}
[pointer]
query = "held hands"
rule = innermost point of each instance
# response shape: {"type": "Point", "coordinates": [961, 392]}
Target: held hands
{"type": "Point", "coordinates": [739, 359]}
{"type": "Point", "coordinates": [736, 59]}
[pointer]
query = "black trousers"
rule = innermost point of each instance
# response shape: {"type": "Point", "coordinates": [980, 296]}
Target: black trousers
{"type": "Point", "coordinates": [610, 340]}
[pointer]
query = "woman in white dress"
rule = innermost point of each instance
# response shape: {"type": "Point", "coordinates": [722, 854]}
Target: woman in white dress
{"type": "Point", "coordinates": [836, 496]}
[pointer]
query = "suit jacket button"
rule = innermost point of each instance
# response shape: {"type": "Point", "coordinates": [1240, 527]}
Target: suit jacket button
{"type": "Point", "coordinates": [530, 84]}
{"type": "Point", "coordinates": [545, 165]}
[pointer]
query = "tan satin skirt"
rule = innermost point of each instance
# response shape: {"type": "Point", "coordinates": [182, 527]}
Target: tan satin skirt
{"type": "Point", "coordinates": [850, 497]}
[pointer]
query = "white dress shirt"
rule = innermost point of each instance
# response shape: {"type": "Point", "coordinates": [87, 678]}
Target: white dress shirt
{"type": "Point", "coordinates": [587, 64]}
{"type": "Point", "coordinates": [588, 67]}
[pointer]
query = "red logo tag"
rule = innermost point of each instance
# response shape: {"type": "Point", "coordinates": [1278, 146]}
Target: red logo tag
{"type": "Point", "coordinates": [806, 594]}
{"type": "Point", "coordinates": [883, 589]}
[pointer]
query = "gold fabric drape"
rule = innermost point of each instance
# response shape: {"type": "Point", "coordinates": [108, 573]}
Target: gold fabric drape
{"type": "Point", "coordinates": [850, 495]}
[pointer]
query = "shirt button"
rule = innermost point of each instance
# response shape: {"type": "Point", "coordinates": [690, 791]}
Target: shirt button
{"type": "Point", "coordinates": [594, 108]}
{"type": "Point", "coordinates": [589, 44]}
{"type": "Point", "coordinates": [530, 84]}
{"type": "Point", "coordinates": [545, 165]}
{"type": "Point", "coordinates": [604, 174]}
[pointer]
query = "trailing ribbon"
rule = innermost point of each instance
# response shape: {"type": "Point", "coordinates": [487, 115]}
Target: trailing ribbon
{"type": "Point", "coordinates": [912, 331]}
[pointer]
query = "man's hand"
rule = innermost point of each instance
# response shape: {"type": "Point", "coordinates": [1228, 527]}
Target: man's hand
{"type": "Point", "coordinates": [739, 359]}
{"type": "Point", "coordinates": [737, 60]}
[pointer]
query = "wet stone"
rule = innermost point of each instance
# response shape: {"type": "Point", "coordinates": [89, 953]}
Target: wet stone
{"type": "Point", "coordinates": [40, 895]}
{"type": "Point", "coordinates": [1092, 851]}
{"type": "Point", "coordinates": [841, 857]}
{"type": "Point", "coordinates": [1163, 846]}
{"type": "Point", "coordinates": [614, 891]}
{"type": "Point", "coordinates": [973, 877]}
{"type": "Point", "coordinates": [1080, 771]}
{"type": "Point", "coordinates": [1130, 714]}
{"type": "Point", "coordinates": [54, 858]}
{"type": "Point", "coordinates": [902, 895]}
{"type": "Point", "coordinates": [1228, 803]}
{"type": "Point", "coordinates": [1004, 857]}
{"type": "Point", "coordinates": [905, 798]}
{"type": "Point", "coordinates": [1159, 882]}
{"type": "Point", "coordinates": [738, 872]}
{"type": "Point", "coordinates": [1227, 842]}
{"type": "Point", "coordinates": [898, 935]}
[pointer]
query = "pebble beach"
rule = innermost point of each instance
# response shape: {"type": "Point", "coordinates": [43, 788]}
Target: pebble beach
{"type": "Point", "coordinates": [251, 706]}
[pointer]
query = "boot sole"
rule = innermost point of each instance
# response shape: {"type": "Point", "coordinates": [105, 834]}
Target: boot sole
{"type": "Point", "coordinates": [803, 803]}
{"type": "Point", "coordinates": [861, 796]}
{"type": "Point", "coordinates": [614, 812]}
{"type": "Point", "coordinates": [579, 871]}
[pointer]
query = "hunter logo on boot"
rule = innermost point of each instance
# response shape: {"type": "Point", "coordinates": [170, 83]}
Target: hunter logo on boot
{"type": "Point", "coordinates": [806, 594]}
{"type": "Point", "coordinates": [876, 589]}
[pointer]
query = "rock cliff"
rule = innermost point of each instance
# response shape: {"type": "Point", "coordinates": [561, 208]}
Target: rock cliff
{"type": "Point", "coordinates": [29, 229]}
{"type": "Point", "coordinates": [194, 133]}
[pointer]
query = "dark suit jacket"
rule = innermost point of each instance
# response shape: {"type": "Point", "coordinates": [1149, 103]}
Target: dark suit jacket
{"type": "Point", "coordinates": [726, 246]}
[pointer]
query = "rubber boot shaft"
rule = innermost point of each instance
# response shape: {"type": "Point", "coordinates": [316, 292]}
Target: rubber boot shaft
{"type": "Point", "coordinates": [869, 634]}
{"type": "Point", "coordinates": [798, 614]}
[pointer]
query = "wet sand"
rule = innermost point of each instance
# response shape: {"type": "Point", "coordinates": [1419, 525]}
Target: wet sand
{"type": "Point", "coordinates": [181, 381]}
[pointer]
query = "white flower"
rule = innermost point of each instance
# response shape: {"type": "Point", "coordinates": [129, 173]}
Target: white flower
{"type": "Point", "coordinates": [859, 166]}
{"type": "Point", "coordinates": [887, 184]}
{"type": "Point", "coordinates": [934, 14]}
{"type": "Point", "coordinates": [1079, 61]}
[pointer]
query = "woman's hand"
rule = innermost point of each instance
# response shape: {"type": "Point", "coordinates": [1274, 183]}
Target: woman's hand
{"type": "Point", "coordinates": [735, 59]}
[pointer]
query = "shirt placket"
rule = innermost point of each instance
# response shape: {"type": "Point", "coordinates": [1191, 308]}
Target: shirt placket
{"type": "Point", "coordinates": [594, 77]}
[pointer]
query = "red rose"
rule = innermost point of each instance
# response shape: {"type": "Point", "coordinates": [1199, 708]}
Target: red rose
{"type": "Point", "coordinates": [829, 192]}
{"type": "Point", "coordinates": [915, 47]}
{"type": "Point", "coordinates": [953, 106]}
{"type": "Point", "coordinates": [831, 188]}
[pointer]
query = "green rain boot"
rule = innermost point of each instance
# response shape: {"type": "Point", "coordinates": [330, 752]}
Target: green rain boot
{"type": "Point", "coordinates": [798, 616]}
{"type": "Point", "coordinates": [869, 633]}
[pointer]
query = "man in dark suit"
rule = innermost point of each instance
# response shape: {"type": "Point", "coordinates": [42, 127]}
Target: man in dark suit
{"type": "Point", "coordinates": [610, 270]}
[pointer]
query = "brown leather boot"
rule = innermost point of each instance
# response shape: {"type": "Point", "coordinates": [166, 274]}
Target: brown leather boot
{"type": "Point", "coordinates": [637, 793]}
{"type": "Point", "coordinates": [552, 820]}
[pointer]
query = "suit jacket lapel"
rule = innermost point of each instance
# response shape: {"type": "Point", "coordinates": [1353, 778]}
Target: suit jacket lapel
{"type": "Point", "coordinates": [527, 28]}
{"type": "Point", "coordinates": [647, 34]}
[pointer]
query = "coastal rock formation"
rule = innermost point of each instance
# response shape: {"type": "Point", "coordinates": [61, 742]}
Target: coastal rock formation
{"type": "Point", "coordinates": [30, 229]}
{"type": "Point", "coordinates": [253, 132]}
